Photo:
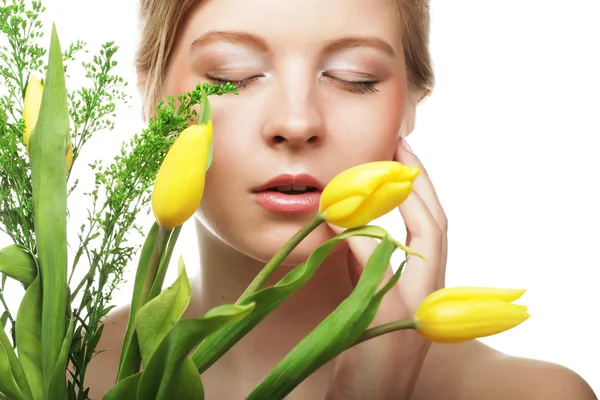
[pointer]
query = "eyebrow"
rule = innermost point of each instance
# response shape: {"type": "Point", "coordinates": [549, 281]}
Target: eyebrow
{"type": "Point", "coordinates": [251, 40]}
{"type": "Point", "coordinates": [360, 41]}
{"type": "Point", "coordinates": [231, 37]}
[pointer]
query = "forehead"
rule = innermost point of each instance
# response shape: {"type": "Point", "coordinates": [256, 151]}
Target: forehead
{"type": "Point", "coordinates": [297, 22]}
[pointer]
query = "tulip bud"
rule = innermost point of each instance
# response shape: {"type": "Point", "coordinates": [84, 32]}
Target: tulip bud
{"type": "Point", "coordinates": [179, 184]}
{"type": "Point", "coordinates": [31, 112]}
{"type": "Point", "coordinates": [31, 108]}
{"type": "Point", "coordinates": [453, 315]}
{"type": "Point", "coordinates": [69, 157]}
{"type": "Point", "coordinates": [366, 192]}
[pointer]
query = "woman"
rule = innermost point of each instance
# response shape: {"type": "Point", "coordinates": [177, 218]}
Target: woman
{"type": "Point", "coordinates": [324, 85]}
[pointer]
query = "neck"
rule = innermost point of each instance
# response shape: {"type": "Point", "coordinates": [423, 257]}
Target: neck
{"type": "Point", "coordinates": [224, 275]}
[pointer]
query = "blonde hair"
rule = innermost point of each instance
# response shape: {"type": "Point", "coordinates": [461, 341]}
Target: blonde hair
{"type": "Point", "coordinates": [163, 20]}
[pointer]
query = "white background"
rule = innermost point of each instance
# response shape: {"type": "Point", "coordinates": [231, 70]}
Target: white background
{"type": "Point", "coordinates": [509, 137]}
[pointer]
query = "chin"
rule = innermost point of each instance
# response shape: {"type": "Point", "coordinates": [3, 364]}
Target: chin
{"type": "Point", "coordinates": [267, 240]}
{"type": "Point", "coordinates": [261, 238]}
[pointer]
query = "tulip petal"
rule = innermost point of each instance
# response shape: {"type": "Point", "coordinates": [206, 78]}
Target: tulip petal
{"type": "Point", "coordinates": [362, 180]}
{"type": "Point", "coordinates": [31, 106]}
{"type": "Point", "coordinates": [405, 173]}
{"type": "Point", "coordinates": [179, 184]}
{"type": "Point", "coordinates": [342, 208]}
{"type": "Point", "coordinates": [458, 321]}
{"type": "Point", "coordinates": [69, 156]}
{"type": "Point", "coordinates": [383, 184]}
{"type": "Point", "coordinates": [471, 293]}
{"type": "Point", "coordinates": [383, 200]}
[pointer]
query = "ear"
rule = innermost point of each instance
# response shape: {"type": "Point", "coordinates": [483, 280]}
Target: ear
{"type": "Point", "coordinates": [410, 114]}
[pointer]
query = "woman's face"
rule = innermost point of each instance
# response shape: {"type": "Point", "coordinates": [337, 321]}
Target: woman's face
{"type": "Point", "coordinates": [322, 87]}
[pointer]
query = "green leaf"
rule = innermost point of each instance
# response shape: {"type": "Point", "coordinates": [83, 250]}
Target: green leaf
{"type": "Point", "coordinates": [15, 365]}
{"type": "Point", "coordinates": [203, 118]}
{"type": "Point", "coordinates": [333, 335]}
{"type": "Point", "coordinates": [8, 385]}
{"type": "Point", "coordinates": [48, 174]}
{"type": "Point", "coordinates": [58, 383]}
{"type": "Point", "coordinates": [28, 330]}
{"type": "Point", "coordinates": [126, 389]}
{"type": "Point", "coordinates": [157, 317]}
{"type": "Point", "coordinates": [131, 358]}
{"type": "Point", "coordinates": [171, 374]}
{"type": "Point", "coordinates": [268, 299]}
{"type": "Point", "coordinates": [371, 310]}
{"type": "Point", "coordinates": [18, 264]}
{"type": "Point", "coordinates": [205, 111]}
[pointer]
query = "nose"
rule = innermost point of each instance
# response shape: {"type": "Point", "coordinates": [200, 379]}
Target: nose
{"type": "Point", "coordinates": [295, 118]}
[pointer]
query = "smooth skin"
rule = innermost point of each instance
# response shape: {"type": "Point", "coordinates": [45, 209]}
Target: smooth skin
{"type": "Point", "coordinates": [323, 87]}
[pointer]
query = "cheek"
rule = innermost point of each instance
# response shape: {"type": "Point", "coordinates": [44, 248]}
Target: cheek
{"type": "Point", "coordinates": [232, 172]}
{"type": "Point", "coordinates": [367, 126]}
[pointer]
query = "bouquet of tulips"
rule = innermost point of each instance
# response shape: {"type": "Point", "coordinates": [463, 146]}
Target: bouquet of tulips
{"type": "Point", "coordinates": [157, 361]}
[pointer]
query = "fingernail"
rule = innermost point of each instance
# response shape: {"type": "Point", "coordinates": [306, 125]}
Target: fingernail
{"type": "Point", "coordinates": [406, 146]}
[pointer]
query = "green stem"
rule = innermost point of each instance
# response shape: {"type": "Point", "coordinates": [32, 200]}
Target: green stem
{"type": "Point", "coordinates": [278, 258]}
{"type": "Point", "coordinates": [164, 264]}
{"type": "Point", "coordinates": [130, 360]}
{"type": "Point", "coordinates": [386, 328]}
{"type": "Point", "coordinates": [88, 278]}
{"type": "Point", "coordinates": [10, 317]}
{"type": "Point", "coordinates": [159, 247]}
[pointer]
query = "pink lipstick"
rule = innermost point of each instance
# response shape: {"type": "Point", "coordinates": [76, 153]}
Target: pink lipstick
{"type": "Point", "coordinates": [290, 194]}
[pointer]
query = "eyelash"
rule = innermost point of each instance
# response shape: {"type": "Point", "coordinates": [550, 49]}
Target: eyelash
{"type": "Point", "coordinates": [359, 87]}
{"type": "Point", "coordinates": [239, 84]}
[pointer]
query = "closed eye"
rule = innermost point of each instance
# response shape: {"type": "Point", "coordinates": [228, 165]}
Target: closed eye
{"type": "Point", "coordinates": [240, 84]}
{"type": "Point", "coordinates": [359, 87]}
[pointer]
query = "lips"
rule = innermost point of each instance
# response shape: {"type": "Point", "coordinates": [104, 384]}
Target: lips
{"type": "Point", "coordinates": [290, 182]}
{"type": "Point", "coordinates": [290, 194]}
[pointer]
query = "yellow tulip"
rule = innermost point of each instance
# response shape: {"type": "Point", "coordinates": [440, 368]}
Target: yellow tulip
{"type": "Point", "coordinates": [31, 112]}
{"type": "Point", "coordinates": [365, 192]}
{"type": "Point", "coordinates": [31, 108]}
{"type": "Point", "coordinates": [453, 315]}
{"type": "Point", "coordinates": [179, 184]}
{"type": "Point", "coordinates": [69, 157]}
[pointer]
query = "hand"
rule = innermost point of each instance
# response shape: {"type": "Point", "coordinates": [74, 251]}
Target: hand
{"type": "Point", "coordinates": [386, 367]}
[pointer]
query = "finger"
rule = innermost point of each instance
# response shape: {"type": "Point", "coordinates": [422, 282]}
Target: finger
{"type": "Point", "coordinates": [392, 307]}
{"type": "Point", "coordinates": [421, 277]}
{"type": "Point", "coordinates": [422, 185]}
{"type": "Point", "coordinates": [407, 241]}
{"type": "Point", "coordinates": [443, 260]}
{"type": "Point", "coordinates": [425, 189]}
{"type": "Point", "coordinates": [360, 249]}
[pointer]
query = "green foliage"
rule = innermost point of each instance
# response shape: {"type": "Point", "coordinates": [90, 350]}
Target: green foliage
{"type": "Point", "coordinates": [17, 263]}
{"type": "Point", "coordinates": [91, 107]}
{"type": "Point", "coordinates": [29, 337]}
{"type": "Point", "coordinates": [48, 166]}
{"type": "Point", "coordinates": [121, 192]}
{"type": "Point", "coordinates": [166, 341]}
{"type": "Point", "coordinates": [157, 317]}
{"type": "Point", "coordinates": [15, 374]}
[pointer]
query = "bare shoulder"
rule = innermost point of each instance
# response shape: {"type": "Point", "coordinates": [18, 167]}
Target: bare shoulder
{"type": "Point", "coordinates": [473, 370]}
{"type": "Point", "coordinates": [102, 370]}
